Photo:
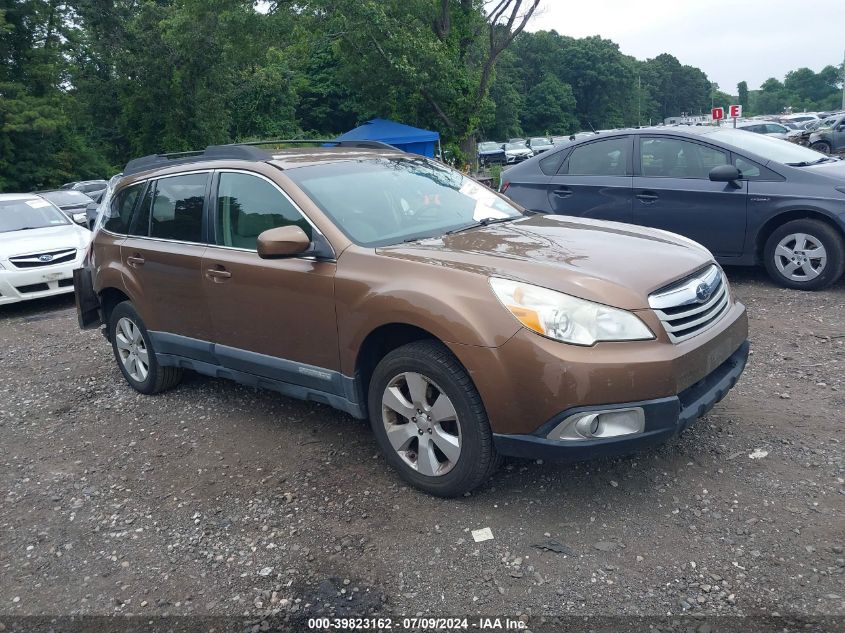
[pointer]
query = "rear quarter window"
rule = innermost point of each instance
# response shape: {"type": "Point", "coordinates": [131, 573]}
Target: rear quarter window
{"type": "Point", "coordinates": [121, 208]}
{"type": "Point", "coordinates": [551, 164]}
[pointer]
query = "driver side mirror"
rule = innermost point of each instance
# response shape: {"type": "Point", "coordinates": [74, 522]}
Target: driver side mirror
{"type": "Point", "coordinates": [282, 241]}
{"type": "Point", "coordinates": [725, 173]}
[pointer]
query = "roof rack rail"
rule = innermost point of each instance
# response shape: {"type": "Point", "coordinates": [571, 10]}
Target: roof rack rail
{"type": "Point", "coordinates": [363, 144]}
{"type": "Point", "coordinates": [236, 151]}
{"type": "Point", "coordinates": [212, 152]}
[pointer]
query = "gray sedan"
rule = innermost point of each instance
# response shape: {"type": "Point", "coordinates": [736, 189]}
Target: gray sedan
{"type": "Point", "coordinates": [749, 198]}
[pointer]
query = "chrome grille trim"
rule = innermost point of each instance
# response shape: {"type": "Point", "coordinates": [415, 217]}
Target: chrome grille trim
{"type": "Point", "coordinates": [32, 261]}
{"type": "Point", "coordinates": [680, 310]}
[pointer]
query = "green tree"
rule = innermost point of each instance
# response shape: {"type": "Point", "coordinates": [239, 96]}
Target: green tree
{"type": "Point", "coordinates": [742, 90]}
{"type": "Point", "coordinates": [550, 108]}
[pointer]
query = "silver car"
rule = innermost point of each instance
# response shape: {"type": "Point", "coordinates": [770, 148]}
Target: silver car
{"type": "Point", "coordinates": [769, 128]}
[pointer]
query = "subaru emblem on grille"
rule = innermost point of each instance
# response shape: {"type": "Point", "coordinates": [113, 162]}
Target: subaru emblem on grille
{"type": "Point", "coordinates": [702, 292]}
{"type": "Point", "coordinates": [45, 258]}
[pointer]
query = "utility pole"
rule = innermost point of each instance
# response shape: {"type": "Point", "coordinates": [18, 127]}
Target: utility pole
{"type": "Point", "coordinates": [640, 97]}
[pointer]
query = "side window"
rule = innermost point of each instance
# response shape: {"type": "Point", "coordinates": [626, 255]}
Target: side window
{"type": "Point", "coordinates": [247, 206]}
{"type": "Point", "coordinates": [746, 168]}
{"type": "Point", "coordinates": [178, 206]}
{"type": "Point", "coordinates": [551, 164]}
{"type": "Point", "coordinates": [676, 158]}
{"type": "Point", "coordinates": [120, 209]}
{"type": "Point", "coordinates": [602, 158]}
{"type": "Point", "coordinates": [140, 225]}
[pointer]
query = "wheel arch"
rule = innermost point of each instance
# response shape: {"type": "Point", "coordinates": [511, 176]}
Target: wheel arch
{"type": "Point", "coordinates": [109, 298]}
{"type": "Point", "coordinates": [772, 224]}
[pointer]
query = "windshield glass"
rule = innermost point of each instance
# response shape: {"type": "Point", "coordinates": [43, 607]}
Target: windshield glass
{"type": "Point", "coordinates": [19, 215]}
{"type": "Point", "coordinates": [377, 202]}
{"type": "Point", "coordinates": [516, 146]}
{"type": "Point", "coordinates": [486, 146]}
{"type": "Point", "coordinates": [66, 197]}
{"type": "Point", "coordinates": [540, 141]}
{"type": "Point", "coordinates": [767, 147]}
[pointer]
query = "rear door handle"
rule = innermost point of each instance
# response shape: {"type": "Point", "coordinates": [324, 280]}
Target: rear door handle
{"type": "Point", "coordinates": [647, 196]}
{"type": "Point", "coordinates": [218, 275]}
{"type": "Point", "coordinates": [135, 261]}
{"type": "Point", "coordinates": [562, 192]}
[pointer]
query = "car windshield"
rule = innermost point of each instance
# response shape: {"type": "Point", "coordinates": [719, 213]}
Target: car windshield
{"type": "Point", "coordinates": [540, 141]}
{"type": "Point", "coordinates": [486, 147]}
{"type": "Point", "coordinates": [768, 148]}
{"type": "Point", "coordinates": [377, 202]}
{"type": "Point", "coordinates": [66, 197]}
{"type": "Point", "coordinates": [516, 146]}
{"type": "Point", "coordinates": [20, 215]}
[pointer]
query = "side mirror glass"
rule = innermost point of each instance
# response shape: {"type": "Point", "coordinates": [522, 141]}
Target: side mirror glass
{"type": "Point", "coordinates": [283, 241]}
{"type": "Point", "coordinates": [724, 173]}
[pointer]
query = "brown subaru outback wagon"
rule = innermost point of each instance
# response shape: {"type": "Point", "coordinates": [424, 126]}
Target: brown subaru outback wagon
{"type": "Point", "coordinates": [397, 289]}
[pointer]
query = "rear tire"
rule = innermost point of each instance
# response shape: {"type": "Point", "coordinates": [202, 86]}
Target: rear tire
{"type": "Point", "coordinates": [805, 255]}
{"type": "Point", "coordinates": [135, 355]}
{"type": "Point", "coordinates": [442, 408]}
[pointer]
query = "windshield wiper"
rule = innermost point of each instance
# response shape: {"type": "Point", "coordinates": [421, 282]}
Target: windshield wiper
{"type": "Point", "coordinates": [805, 163]}
{"type": "Point", "coordinates": [481, 222]}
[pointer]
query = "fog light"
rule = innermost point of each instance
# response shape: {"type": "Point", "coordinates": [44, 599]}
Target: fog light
{"type": "Point", "coordinates": [598, 425]}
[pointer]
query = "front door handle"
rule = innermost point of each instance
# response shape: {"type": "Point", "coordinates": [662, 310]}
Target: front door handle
{"type": "Point", "coordinates": [647, 196]}
{"type": "Point", "coordinates": [218, 275]}
{"type": "Point", "coordinates": [562, 192]}
{"type": "Point", "coordinates": [135, 260]}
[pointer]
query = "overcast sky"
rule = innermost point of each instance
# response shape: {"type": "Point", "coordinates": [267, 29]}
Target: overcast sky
{"type": "Point", "coordinates": [758, 40]}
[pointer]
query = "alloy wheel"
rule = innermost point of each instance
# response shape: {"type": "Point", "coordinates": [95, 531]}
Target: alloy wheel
{"type": "Point", "coordinates": [132, 349]}
{"type": "Point", "coordinates": [421, 424]}
{"type": "Point", "coordinates": [800, 257]}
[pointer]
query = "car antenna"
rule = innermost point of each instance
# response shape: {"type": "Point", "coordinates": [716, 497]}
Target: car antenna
{"type": "Point", "coordinates": [592, 128]}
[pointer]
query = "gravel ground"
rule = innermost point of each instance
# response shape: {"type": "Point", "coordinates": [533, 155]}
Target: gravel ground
{"type": "Point", "coordinates": [215, 499]}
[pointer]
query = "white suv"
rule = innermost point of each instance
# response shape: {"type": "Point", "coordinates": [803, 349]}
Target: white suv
{"type": "Point", "coordinates": [39, 248]}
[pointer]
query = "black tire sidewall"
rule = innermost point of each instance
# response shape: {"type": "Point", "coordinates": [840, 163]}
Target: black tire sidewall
{"type": "Point", "coordinates": [820, 231]}
{"type": "Point", "coordinates": [127, 310]}
{"type": "Point", "coordinates": [827, 148]}
{"type": "Point", "coordinates": [473, 426]}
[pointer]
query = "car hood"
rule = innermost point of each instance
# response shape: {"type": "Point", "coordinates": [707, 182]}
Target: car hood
{"type": "Point", "coordinates": [609, 262]}
{"type": "Point", "coordinates": [518, 151]}
{"type": "Point", "coordinates": [49, 238]}
{"type": "Point", "coordinates": [833, 169]}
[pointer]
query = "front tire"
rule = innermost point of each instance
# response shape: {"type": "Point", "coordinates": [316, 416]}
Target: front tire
{"type": "Point", "coordinates": [135, 355]}
{"type": "Point", "coordinates": [822, 146]}
{"type": "Point", "coordinates": [805, 255]}
{"type": "Point", "coordinates": [429, 420]}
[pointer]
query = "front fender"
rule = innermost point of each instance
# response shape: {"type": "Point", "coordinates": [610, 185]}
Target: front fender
{"type": "Point", "coordinates": [458, 307]}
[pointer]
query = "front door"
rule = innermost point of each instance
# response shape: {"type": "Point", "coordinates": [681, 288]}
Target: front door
{"type": "Point", "coordinates": [271, 317]}
{"type": "Point", "coordinates": [595, 181]}
{"type": "Point", "coordinates": [162, 259]}
{"type": "Point", "coordinates": [673, 191]}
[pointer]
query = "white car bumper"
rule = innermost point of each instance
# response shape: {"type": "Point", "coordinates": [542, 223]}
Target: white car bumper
{"type": "Point", "coordinates": [20, 284]}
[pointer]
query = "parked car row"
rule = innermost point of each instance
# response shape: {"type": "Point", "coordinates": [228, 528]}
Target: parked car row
{"type": "Point", "coordinates": [748, 198]}
{"type": "Point", "coordinates": [514, 151]}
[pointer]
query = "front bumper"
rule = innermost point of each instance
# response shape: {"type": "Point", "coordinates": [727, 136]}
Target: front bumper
{"type": "Point", "coordinates": [21, 284]}
{"type": "Point", "coordinates": [664, 417]}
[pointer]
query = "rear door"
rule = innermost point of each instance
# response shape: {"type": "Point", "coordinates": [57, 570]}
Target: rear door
{"type": "Point", "coordinates": [595, 181]}
{"type": "Point", "coordinates": [673, 191]}
{"type": "Point", "coordinates": [162, 259]}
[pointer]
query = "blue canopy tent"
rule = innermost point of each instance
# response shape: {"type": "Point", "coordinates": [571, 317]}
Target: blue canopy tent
{"type": "Point", "coordinates": [404, 137]}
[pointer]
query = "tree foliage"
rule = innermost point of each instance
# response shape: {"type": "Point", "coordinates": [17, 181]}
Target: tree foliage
{"type": "Point", "coordinates": [88, 84]}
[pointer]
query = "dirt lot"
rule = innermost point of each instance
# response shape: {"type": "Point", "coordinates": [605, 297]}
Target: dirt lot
{"type": "Point", "coordinates": [219, 499]}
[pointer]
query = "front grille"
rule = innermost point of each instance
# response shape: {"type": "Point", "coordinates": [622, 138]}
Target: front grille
{"type": "Point", "coordinates": [692, 305]}
{"type": "Point", "coordinates": [48, 258]}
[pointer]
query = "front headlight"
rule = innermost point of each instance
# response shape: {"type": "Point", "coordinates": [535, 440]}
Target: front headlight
{"type": "Point", "coordinates": [566, 318]}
